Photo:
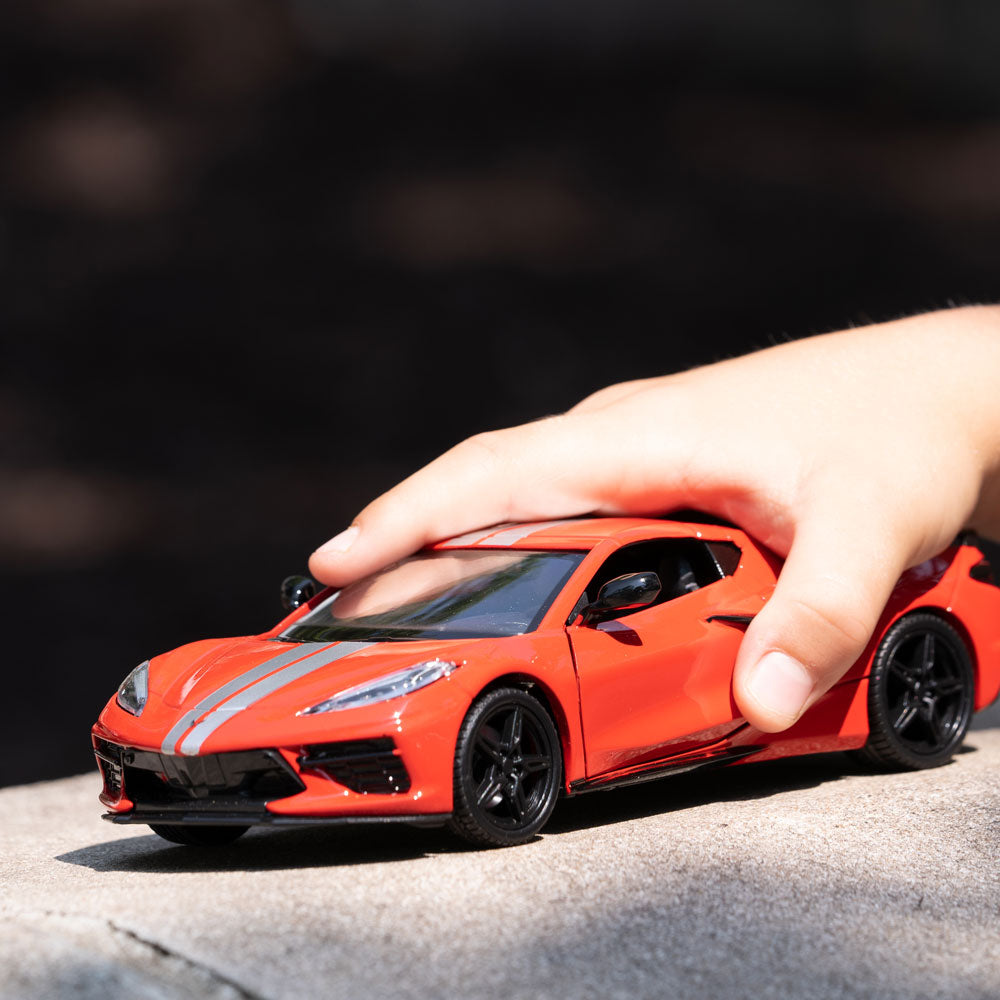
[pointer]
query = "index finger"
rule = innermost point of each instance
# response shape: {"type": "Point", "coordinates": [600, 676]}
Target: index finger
{"type": "Point", "coordinates": [561, 466]}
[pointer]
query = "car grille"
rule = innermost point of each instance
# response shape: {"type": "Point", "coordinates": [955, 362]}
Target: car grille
{"type": "Point", "coordinates": [360, 765]}
{"type": "Point", "coordinates": [237, 781]}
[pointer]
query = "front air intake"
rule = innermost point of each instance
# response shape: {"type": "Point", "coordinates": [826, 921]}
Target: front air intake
{"type": "Point", "coordinates": [109, 761]}
{"type": "Point", "coordinates": [366, 766]}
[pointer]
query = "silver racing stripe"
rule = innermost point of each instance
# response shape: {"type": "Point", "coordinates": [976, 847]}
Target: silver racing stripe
{"type": "Point", "coordinates": [515, 534]}
{"type": "Point", "coordinates": [472, 537]}
{"type": "Point", "coordinates": [188, 719]}
{"type": "Point", "coordinates": [192, 743]}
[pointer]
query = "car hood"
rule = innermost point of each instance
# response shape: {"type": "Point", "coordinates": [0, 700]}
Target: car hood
{"type": "Point", "coordinates": [210, 686]}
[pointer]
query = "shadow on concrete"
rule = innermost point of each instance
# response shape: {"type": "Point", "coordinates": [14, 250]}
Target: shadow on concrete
{"type": "Point", "coordinates": [734, 932]}
{"type": "Point", "coordinates": [264, 849]}
{"type": "Point", "coordinates": [694, 788]}
{"type": "Point", "coordinates": [726, 784]}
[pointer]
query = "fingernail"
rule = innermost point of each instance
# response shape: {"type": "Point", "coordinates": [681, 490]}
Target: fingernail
{"type": "Point", "coordinates": [780, 685]}
{"type": "Point", "coordinates": [339, 544]}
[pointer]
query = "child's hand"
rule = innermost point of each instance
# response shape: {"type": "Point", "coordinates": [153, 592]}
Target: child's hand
{"type": "Point", "coordinates": [854, 455]}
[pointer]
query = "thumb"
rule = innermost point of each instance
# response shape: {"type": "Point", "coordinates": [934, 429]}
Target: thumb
{"type": "Point", "coordinates": [828, 599]}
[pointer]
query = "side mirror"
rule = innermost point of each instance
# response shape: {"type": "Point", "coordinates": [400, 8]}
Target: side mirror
{"type": "Point", "coordinates": [624, 593]}
{"type": "Point", "coordinates": [295, 591]}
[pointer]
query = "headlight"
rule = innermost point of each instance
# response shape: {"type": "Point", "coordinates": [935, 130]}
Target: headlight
{"type": "Point", "coordinates": [383, 688]}
{"type": "Point", "coordinates": [135, 689]}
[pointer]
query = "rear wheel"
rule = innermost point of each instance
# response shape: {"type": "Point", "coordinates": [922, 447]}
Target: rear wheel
{"type": "Point", "coordinates": [508, 769]}
{"type": "Point", "coordinates": [198, 836]}
{"type": "Point", "coordinates": [920, 695]}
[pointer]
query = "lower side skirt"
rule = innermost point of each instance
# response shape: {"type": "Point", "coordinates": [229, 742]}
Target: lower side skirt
{"type": "Point", "coordinates": [269, 819]}
{"type": "Point", "coordinates": [666, 769]}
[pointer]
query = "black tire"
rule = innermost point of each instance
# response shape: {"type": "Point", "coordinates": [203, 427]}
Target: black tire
{"type": "Point", "coordinates": [508, 769]}
{"type": "Point", "coordinates": [920, 695]}
{"type": "Point", "coordinates": [198, 836]}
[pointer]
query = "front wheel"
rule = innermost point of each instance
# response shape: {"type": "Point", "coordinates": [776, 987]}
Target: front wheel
{"type": "Point", "coordinates": [198, 836]}
{"type": "Point", "coordinates": [508, 768]}
{"type": "Point", "coordinates": [920, 695]}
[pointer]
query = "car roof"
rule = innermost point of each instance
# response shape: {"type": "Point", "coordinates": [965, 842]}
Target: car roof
{"type": "Point", "coordinates": [586, 533]}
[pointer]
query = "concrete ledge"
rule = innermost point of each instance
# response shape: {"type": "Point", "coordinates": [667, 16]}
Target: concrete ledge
{"type": "Point", "coordinates": [795, 879]}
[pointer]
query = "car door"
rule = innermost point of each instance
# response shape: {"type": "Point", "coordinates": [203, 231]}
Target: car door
{"type": "Point", "coordinates": [658, 681]}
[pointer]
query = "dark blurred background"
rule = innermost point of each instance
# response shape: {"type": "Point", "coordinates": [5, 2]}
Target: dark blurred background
{"type": "Point", "coordinates": [260, 260]}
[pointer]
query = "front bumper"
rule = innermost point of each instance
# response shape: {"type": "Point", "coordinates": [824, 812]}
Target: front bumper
{"type": "Point", "coordinates": [246, 787]}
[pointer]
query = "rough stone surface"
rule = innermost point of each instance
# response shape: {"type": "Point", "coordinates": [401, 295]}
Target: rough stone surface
{"type": "Point", "coordinates": [805, 878]}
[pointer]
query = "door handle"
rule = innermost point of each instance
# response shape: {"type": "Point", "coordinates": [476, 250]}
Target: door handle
{"type": "Point", "coordinates": [731, 619]}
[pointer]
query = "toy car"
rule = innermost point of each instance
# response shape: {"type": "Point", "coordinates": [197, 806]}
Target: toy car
{"type": "Point", "coordinates": [478, 680]}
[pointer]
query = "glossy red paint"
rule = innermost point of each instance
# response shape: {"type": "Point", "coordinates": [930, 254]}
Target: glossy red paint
{"type": "Point", "coordinates": [633, 696]}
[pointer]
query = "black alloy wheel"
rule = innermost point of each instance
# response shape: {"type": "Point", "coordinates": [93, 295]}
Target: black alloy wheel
{"type": "Point", "coordinates": [508, 769]}
{"type": "Point", "coordinates": [198, 836]}
{"type": "Point", "coordinates": [920, 695]}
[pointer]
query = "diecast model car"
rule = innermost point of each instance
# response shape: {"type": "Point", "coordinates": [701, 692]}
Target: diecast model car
{"type": "Point", "coordinates": [476, 681]}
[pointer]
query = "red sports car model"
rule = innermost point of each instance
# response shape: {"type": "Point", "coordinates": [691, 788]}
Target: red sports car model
{"type": "Point", "coordinates": [475, 681]}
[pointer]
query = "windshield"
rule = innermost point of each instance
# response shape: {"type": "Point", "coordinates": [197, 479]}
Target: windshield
{"type": "Point", "coordinates": [457, 594]}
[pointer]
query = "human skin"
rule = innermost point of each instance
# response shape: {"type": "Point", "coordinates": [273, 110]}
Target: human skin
{"type": "Point", "coordinates": [854, 455]}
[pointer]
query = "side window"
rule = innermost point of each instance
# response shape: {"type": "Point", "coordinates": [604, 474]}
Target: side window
{"type": "Point", "coordinates": [682, 564]}
{"type": "Point", "coordinates": [726, 555]}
